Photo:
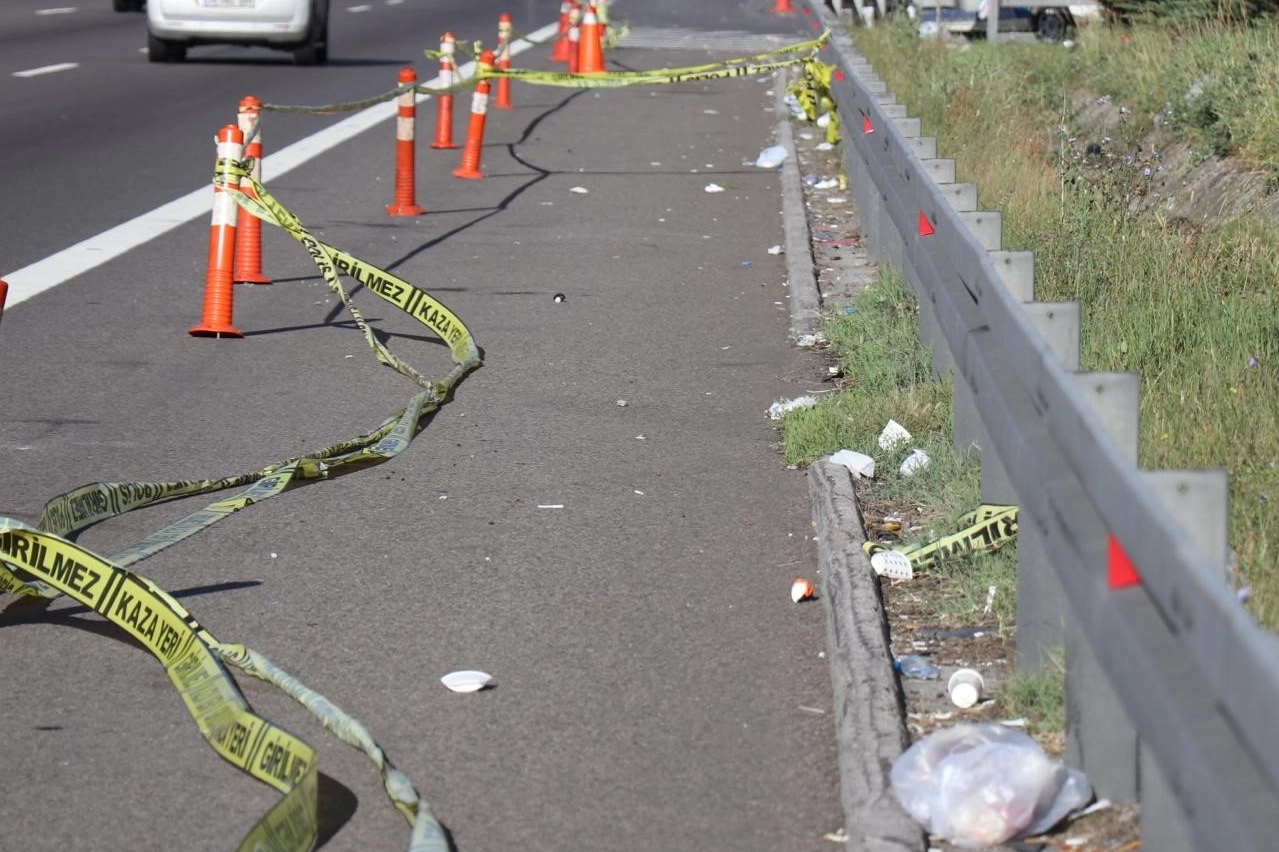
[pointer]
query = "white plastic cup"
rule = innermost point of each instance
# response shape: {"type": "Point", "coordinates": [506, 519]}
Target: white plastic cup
{"type": "Point", "coordinates": [965, 687]}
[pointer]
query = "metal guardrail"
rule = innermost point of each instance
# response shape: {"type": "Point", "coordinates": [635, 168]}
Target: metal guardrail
{"type": "Point", "coordinates": [1172, 687]}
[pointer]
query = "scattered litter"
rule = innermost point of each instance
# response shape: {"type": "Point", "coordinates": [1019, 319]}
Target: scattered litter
{"type": "Point", "coordinates": [848, 310]}
{"type": "Point", "coordinates": [990, 600]}
{"type": "Point", "coordinates": [746, 263]}
{"type": "Point", "coordinates": [839, 836]}
{"type": "Point", "coordinates": [801, 590]}
{"type": "Point", "coordinates": [965, 688]}
{"type": "Point", "coordinates": [811, 179]}
{"type": "Point", "coordinates": [1074, 842]}
{"type": "Point", "coordinates": [714, 187]}
{"type": "Point", "coordinates": [274, 554]}
{"type": "Point", "coordinates": [772, 157]}
{"type": "Point", "coordinates": [1099, 805]}
{"type": "Point", "coordinates": [824, 146]}
{"type": "Point", "coordinates": [916, 667]}
{"type": "Point", "coordinates": [550, 505]}
{"type": "Point", "coordinates": [981, 784]}
{"type": "Point", "coordinates": [826, 183]}
{"type": "Point", "coordinates": [816, 711]}
{"type": "Point", "coordinates": [807, 340]}
{"type": "Point", "coordinates": [580, 190]}
{"type": "Point", "coordinates": [621, 403]}
{"type": "Point", "coordinates": [892, 564]}
{"type": "Point", "coordinates": [640, 493]}
{"type": "Point", "coordinates": [777, 409]}
{"type": "Point", "coordinates": [774, 249]}
{"type": "Point", "coordinates": [1019, 722]}
{"type": "Point", "coordinates": [823, 120]}
{"type": "Point", "coordinates": [914, 463]}
{"type": "Point", "coordinates": [467, 681]}
{"type": "Point", "coordinates": [893, 436]}
{"type": "Point", "coordinates": [641, 437]}
{"type": "Point", "coordinates": [710, 112]}
{"type": "Point", "coordinates": [836, 199]}
{"type": "Point", "coordinates": [941, 634]}
{"type": "Point", "coordinates": [859, 464]}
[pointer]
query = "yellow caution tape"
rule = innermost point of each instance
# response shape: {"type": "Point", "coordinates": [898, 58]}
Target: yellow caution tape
{"type": "Point", "coordinates": [742, 67]}
{"type": "Point", "coordinates": [985, 529]}
{"type": "Point", "coordinates": [42, 562]}
{"type": "Point", "coordinates": [813, 92]}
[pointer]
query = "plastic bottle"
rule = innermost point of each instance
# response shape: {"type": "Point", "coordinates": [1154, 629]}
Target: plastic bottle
{"type": "Point", "coordinates": [915, 666]}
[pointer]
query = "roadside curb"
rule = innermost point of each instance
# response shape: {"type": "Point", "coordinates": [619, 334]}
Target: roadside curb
{"type": "Point", "coordinates": [870, 725]}
{"type": "Point", "coordinates": [869, 708]}
{"type": "Point", "coordinates": [805, 300]}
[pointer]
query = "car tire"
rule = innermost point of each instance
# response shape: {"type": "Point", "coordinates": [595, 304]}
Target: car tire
{"type": "Point", "coordinates": [1051, 25]}
{"type": "Point", "coordinates": [315, 50]}
{"type": "Point", "coordinates": [162, 50]}
{"type": "Point", "coordinates": [128, 5]}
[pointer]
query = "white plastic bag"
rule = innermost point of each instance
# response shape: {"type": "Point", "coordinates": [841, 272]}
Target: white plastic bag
{"type": "Point", "coordinates": [981, 784]}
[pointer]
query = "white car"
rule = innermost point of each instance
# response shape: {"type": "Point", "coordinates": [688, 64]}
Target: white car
{"type": "Point", "coordinates": [300, 26]}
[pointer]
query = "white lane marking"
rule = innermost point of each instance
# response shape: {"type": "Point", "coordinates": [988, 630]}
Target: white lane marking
{"type": "Point", "coordinates": [59, 10]}
{"type": "Point", "coordinates": [394, 2]}
{"type": "Point", "coordinates": [358, 8]}
{"type": "Point", "coordinates": [47, 69]}
{"type": "Point", "coordinates": [96, 250]}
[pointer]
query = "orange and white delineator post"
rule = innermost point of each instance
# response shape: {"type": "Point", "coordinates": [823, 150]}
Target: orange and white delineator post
{"type": "Point", "coordinates": [219, 290]}
{"type": "Point", "coordinates": [590, 57]}
{"type": "Point", "coordinates": [560, 52]}
{"type": "Point", "coordinates": [248, 231]}
{"type": "Point", "coordinates": [405, 169]}
{"type": "Point", "coordinates": [470, 167]}
{"type": "Point", "coordinates": [783, 7]}
{"type": "Point", "coordinates": [504, 32]}
{"type": "Point", "coordinates": [444, 108]}
{"type": "Point", "coordinates": [574, 35]}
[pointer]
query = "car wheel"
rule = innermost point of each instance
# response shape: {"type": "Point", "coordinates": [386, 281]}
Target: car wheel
{"type": "Point", "coordinates": [315, 51]}
{"type": "Point", "coordinates": [128, 5]}
{"type": "Point", "coordinates": [162, 50]}
{"type": "Point", "coordinates": [1050, 25]}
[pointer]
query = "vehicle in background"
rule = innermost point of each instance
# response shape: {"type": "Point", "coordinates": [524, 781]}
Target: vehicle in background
{"type": "Point", "coordinates": [1048, 23]}
{"type": "Point", "coordinates": [299, 26]}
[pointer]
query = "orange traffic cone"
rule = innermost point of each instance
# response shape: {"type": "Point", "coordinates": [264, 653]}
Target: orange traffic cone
{"type": "Point", "coordinates": [590, 58]}
{"type": "Point", "coordinates": [444, 109]}
{"type": "Point", "coordinates": [783, 7]}
{"type": "Point", "coordinates": [504, 30]}
{"type": "Point", "coordinates": [248, 230]}
{"type": "Point", "coordinates": [470, 167]}
{"type": "Point", "coordinates": [560, 52]}
{"type": "Point", "coordinates": [405, 168]}
{"type": "Point", "coordinates": [218, 292]}
{"type": "Point", "coordinates": [4, 294]}
{"type": "Point", "coordinates": [574, 34]}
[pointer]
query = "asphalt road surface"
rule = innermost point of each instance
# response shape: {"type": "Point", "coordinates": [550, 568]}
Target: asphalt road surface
{"type": "Point", "coordinates": [654, 686]}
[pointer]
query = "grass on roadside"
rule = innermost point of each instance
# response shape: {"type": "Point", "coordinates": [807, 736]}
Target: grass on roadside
{"type": "Point", "coordinates": [1190, 305]}
{"type": "Point", "coordinates": [1039, 698]}
{"type": "Point", "coordinates": [887, 376]}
